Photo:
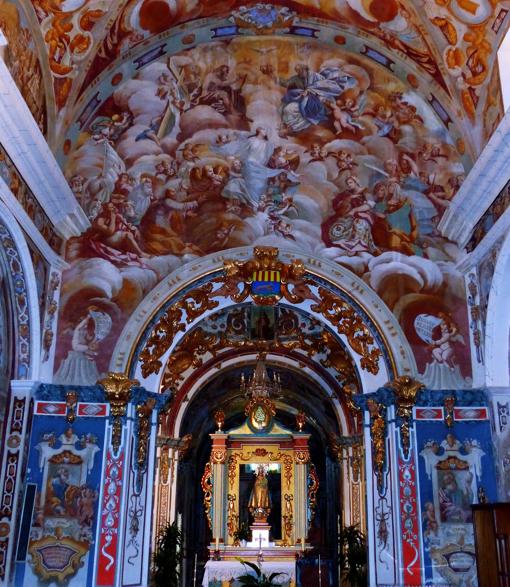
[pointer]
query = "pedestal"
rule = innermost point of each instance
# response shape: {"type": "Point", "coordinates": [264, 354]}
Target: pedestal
{"type": "Point", "coordinates": [259, 535]}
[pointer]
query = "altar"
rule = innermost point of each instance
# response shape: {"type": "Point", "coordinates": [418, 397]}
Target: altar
{"type": "Point", "coordinates": [259, 490]}
{"type": "Point", "coordinates": [220, 573]}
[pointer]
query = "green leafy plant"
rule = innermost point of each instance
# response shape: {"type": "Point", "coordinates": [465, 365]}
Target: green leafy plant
{"type": "Point", "coordinates": [260, 578]}
{"type": "Point", "coordinates": [167, 557]}
{"type": "Point", "coordinates": [242, 533]}
{"type": "Point", "coordinates": [353, 556]}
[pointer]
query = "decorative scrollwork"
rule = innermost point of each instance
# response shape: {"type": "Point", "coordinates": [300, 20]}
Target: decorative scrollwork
{"type": "Point", "coordinates": [188, 354]}
{"type": "Point", "coordinates": [117, 388]}
{"type": "Point", "coordinates": [197, 343]}
{"type": "Point", "coordinates": [194, 304]}
{"type": "Point", "coordinates": [406, 390]}
{"type": "Point", "coordinates": [378, 434]}
{"type": "Point", "coordinates": [232, 516]}
{"type": "Point", "coordinates": [288, 519]}
{"type": "Point", "coordinates": [232, 469]}
{"type": "Point", "coordinates": [350, 449]}
{"type": "Point", "coordinates": [313, 487]}
{"type": "Point", "coordinates": [347, 322]}
{"type": "Point", "coordinates": [143, 416]}
{"type": "Point", "coordinates": [207, 488]}
{"type": "Point", "coordinates": [164, 464]}
{"type": "Point", "coordinates": [350, 390]}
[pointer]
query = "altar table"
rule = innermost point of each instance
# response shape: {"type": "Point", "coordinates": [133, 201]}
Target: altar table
{"type": "Point", "coordinates": [220, 573]}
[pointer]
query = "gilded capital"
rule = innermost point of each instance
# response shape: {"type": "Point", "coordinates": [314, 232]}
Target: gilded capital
{"type": "Point", "coordinates": [117, 389]}
{"type": "Point", "coordinates": [406, 389]}
{"type": "Point", "coordinates": [218, 456]}
{"type": "Point", "coordinates": [302, 456]}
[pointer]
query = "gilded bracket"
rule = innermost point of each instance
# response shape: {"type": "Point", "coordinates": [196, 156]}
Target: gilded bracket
{"type": "Point", "coordinates": [288, 520]}
{"type": "Point", "coordinates": [406, 389]}
{"type": "Point", "coordinates": [449, 404]}
{"type": "Point", "coordinates": [71, 402]}
{"type": "Point", "coordinates": [143, 417]}
{"type": "Point", "coordinates": [232, 517]}
{"type": "Point", "coordinates": [313, 487]}
{"type": "Point", "coordinates": [378, 434]}
{"type": "Point", "coordinates": [117, 389]}
{"type": "Point", "coordinates": [207, 488]}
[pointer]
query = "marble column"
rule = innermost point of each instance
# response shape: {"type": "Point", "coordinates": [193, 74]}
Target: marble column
{"type": "Point", "coordinates": [219, 475]}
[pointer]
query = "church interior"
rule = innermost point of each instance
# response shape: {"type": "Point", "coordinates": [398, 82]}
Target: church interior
{"type": "Point", "coordinates": [254, 293]}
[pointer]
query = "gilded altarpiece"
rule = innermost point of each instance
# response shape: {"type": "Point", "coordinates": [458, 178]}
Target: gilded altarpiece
{"type": "Point", "coordinates": [278, 460]}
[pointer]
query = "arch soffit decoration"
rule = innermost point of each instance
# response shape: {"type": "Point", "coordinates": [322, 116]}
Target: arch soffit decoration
{"type": "Point", "coordinates": [303, 347]}
{"type": "Point", "coordinates": [228, 331]}
{"type": "Point", "coordinates": [329, 388]}
{"type": "Point", "coordinates": [22, 289]}
{"type": "Point", "coordinates": [339, 300]}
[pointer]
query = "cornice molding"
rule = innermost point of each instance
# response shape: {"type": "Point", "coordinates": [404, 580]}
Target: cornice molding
{"type": "Point", "coordinates": [27, 147]}
{"type": "Point", "coordinates": [17, 210]}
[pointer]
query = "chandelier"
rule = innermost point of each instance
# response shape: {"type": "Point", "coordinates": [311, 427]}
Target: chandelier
{"type": "Point", "coordinates": [260, 385]}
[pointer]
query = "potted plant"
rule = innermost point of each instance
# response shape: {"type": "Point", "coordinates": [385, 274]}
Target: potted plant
{"type": "Point", "coordinates": [167, 557]}
{"type": "Point", "coordinates": [353, 556]}
{"type": "Point", "coordinates": [260, 578]}
{"type": "Point", "coordinates": [242, 534]}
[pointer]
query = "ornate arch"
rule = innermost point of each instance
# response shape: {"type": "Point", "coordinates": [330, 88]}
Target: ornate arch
{"type": "Point", "coordinates": [23, 296]}
{"type": "Point", "coordinates": [331, 294]}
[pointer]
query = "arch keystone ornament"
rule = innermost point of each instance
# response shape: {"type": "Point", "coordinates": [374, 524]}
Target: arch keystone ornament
{"type": "Point", "coordinates": [265, 278]}
{"type": "Point", "coordinates": [252, 273]}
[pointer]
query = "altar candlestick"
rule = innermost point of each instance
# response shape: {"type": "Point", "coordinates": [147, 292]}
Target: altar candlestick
{"type": "Point", "coordinates": [195, 571]}
{"type": "Point", "coordinates": [217, 543]}
{"type": "Point", "coordinates": [320, 572]}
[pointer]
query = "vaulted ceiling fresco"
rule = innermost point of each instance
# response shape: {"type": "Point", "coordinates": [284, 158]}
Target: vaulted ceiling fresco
{"type": "Point", "coordinates": [453, 41]}
{"type": "Point", "coordinates": [339, 128]}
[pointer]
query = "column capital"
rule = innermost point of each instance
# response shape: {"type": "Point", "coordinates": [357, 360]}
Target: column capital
{"type": "Point", "coordinates": [23, 387]}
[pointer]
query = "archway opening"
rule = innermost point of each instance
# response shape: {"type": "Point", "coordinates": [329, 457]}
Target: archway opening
{"type": "Point", "coordinates": [299, 393]}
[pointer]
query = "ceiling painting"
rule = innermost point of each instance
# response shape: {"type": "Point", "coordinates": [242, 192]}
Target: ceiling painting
{"type": "Point", "coordinates": [68, 28]}
{"type": "Point", "coordinates": [279, 142]}
{"type": "Point", "coordinates": [467, 33]}
{"type": "Point", "coordinates": [389, 21]}
{"type": "Point", "coordinates": [452, 41]}
{"type": "Point", "coordinates": [23, 60]}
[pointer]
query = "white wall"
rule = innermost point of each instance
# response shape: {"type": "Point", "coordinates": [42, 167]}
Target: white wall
{"type": "Point", "coordinates": [504, 69]}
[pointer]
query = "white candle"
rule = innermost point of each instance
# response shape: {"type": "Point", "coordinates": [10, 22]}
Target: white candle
{"type": "Point", "coordinates": [303, 544]}
{"type": "Point", "coordinates": [217, 543]}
